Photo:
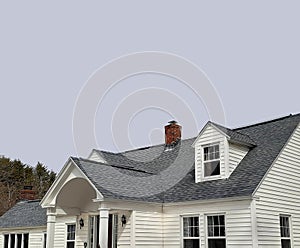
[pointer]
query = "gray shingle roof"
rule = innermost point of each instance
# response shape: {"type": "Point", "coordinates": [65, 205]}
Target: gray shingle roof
{"type": "Point", "coordinates": [268, 137]}
{"type": "Point", "coordinates": [236, 136]}
{"type": "Point", "coordinates": [24, 214]}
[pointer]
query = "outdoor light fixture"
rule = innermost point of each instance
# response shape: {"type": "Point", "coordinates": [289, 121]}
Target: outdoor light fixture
{"type": "Point", "coordinates": [81, 223]}
{"type": "Point", "coordinates": [123, 220]}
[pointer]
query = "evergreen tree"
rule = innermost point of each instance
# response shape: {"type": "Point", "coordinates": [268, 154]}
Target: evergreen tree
{"type": "Point", "coordinates": [15, 175]}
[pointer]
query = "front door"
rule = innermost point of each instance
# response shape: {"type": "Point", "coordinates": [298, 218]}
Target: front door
{"type": "Point", "coordinates": [112, 231]}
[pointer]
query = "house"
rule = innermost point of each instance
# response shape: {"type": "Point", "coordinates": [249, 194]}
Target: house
{"type": "Point", "coordinates": [234, 188]}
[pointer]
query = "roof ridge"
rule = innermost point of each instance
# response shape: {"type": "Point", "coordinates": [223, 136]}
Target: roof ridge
{"type": "Point", "coordinates": [124, 167]}
{"type": "Point", "coordinates": [266, 122]}
{"type": "Point", "coordinates": [140, 148]}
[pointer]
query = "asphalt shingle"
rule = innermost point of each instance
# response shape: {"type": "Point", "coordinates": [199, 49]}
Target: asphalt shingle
{"type": "Point", "coordinates": [163, 170]}
{"type": "Point", "coordinates": [24, 214]}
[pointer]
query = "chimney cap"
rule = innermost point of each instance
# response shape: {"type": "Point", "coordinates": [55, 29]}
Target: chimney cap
{"type": "Point", "coordinates": [172, 122]}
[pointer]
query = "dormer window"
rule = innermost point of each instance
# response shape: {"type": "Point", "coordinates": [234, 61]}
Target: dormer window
{"type": "Point", "coordinates": [211, 160]}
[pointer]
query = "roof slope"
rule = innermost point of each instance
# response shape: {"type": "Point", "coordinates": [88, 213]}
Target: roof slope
{"type": "Point", "coordinates": [269, 139]}
{"type": "Point", "coordinates": [24, 214]}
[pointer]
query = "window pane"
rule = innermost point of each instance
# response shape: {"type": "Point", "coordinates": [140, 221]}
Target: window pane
{"type": "Point", "coordinates": [19, 240]}
{"type": "Point", "coordinates": [25, 240]}
{"type": "Point", "coordinates": [285, 243]}
{"type": "Point", "coordinates": [45, 239]}
{"type": "Point", "coordinates": [212, 168]}
{"type": "Point", "coordinates": [210, 220]}
{"type": "Point", "coordinates": [191, 226]}
{"type": "Point", "coordinates": [216, 243]}
{"type": "Point", "coordinates": [12, 241]}
{"type": "Point", "coordinates": [6, 237]}
{"type": "Point", "coordinates": [71, 232]}
{"type": "Point", "coordinates": [70, 244]}
{"type": "Point", "coordinates": [210, 231]}
{"type": "Point", "coordinates": [284, 226]}
{"type": "Point", "coordinates": [222, 231]}
{"type": "Point", "coordinates": [191, 243]}
{"type": "Point", "coordinates": [221, 220]}
{"type": "Point", "coordinates": [216, 226]}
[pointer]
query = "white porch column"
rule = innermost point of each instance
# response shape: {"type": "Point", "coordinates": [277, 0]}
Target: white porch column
{"type": "Point", "coordinates": [51, 219]}
{"type": "Point", "coordinates": [103, 227]}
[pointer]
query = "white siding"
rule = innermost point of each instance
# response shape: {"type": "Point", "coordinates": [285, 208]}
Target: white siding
{"type": "Point", "coordinates": [82, 233]}
{"type": "Point", "coordinates": [1, 240]}
{"type": "Point", "coordinates": [148, 230]}
{"type": "Point", "coordinates": [36, 238]}
{"type": "Point", "coordinates": [278, 194]}
{"type": "Point", "coordinates": [236, 154]}
{"type": "Point", "coordinates": [209, 136]}
{"type": "Point", "coordinates": [124, 232]}
{"type": "Point", "coordinates": [95, 156]}
{"type": "Point", "coordinates": [238, 222]}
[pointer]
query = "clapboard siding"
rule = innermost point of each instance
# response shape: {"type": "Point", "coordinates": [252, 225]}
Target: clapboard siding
{"type": "Point", "coordinates": [236, 154]}
{"type": "Point", "coordinates": [95, 156]}
{"type": "Point", "coordinates": [36, 238]}
{"type": "Point", "coordinates": [148, 229]}
{"type": "Point", "coordinates": [82, 233]}
{"type": "Point", "coordinates": [61, 230]}
{"type": "Point", "coordinates": [124, 232]}
{"type": "Point", "coordinates": [209, 136]}
{"type": "Point", "coordinates": [278, 194]}
{"type": "Point", "coordinates": [238, 222]}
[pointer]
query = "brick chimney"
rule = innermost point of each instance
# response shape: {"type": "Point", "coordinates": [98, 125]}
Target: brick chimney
{"type": "Point", "coordinates": [172, 133]}
{"type": "Point", "coordinates": [27, 193]}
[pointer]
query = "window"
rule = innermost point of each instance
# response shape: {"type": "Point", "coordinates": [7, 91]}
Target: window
{"type": "Point", "coordinates": [191, 238]}
{"type": "Point", "coordinates": [6, 239]}
{"type": "Point", "coordinates": [71, 235]}
{"type": "Point", "coordinates": [285, 232]}
{"type": "Point", "coordinates": [216, 231]}
{"type": "Point", "coordinates": [211, 158]}
{"type": "Point", "coordinates": [19, 240]}
{"type": "Point", "coordinates": [25, 240]}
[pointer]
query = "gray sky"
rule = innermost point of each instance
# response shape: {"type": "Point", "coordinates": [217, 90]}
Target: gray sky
{"type": "Point", "coordinates": [48, 50]}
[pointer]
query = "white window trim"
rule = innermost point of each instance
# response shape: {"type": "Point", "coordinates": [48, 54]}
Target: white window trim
{"type": "Point", "coordinates": [290, 229]}
{"type": "Point", "coordinates": [206, 227]}
{"type": "Point", "coordinates": [66, 236]}
{"type": "Point", "coordinates": [207, 178]}
{"type": "Point", "coordinates": [182, 228]}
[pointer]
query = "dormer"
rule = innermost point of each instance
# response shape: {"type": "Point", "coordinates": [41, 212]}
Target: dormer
{"type": "Point", "coordinates": [95, 155]}
{"type": "Point", "coordinates": [218, 151]}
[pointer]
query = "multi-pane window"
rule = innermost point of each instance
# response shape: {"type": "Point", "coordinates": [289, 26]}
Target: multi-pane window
{"type": "Point", "coordinates": [216, 232]}
{"type": "Point", "coordinates": [211, 157]}
{"type": "Point", "coordinates": [19, 240]}
{"type": "Point", "coordinates": [285, 231]}
{"type": "Point", "coordinates": [191, 237]}
{"type": "Point", "coordinates": [71, 228]}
